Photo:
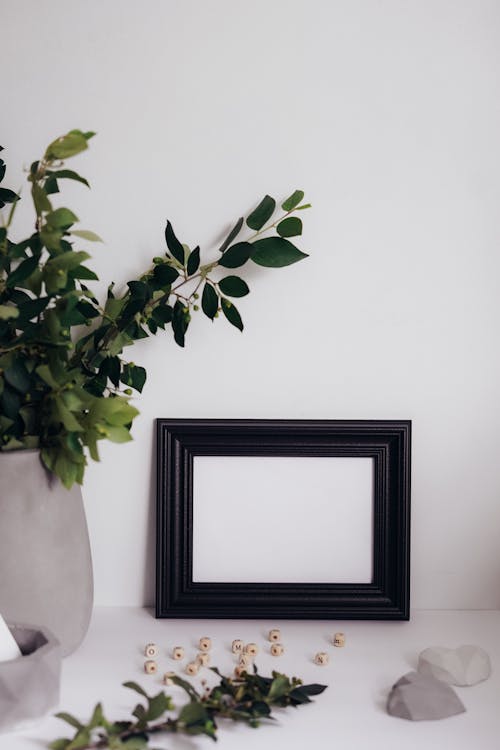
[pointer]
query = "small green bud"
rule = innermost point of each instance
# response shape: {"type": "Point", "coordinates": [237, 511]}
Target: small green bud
{"type": "Point", "coordinates": [128, 391]}
{"type": "Point", "coordinates": [196, 307]}
{"type": "Point", "coordinates": [196, 295]}
{"type": "Point", "coordinates": [216, 314]}
{"type": "Point", "coordinates": [157, 260]}
{"type": "Point", "coordinates": [185, 309]}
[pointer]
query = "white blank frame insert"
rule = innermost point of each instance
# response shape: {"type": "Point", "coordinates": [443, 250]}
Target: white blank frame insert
{"type": "Point", "coordinates": [309, 519]}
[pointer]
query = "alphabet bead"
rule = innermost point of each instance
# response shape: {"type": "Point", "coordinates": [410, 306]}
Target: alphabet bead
{"type": "Point", "coordinates": [277, 649]}
{"type": "Point", "coordinates": [167, 678]}
{"type": "Point", "coordinates": [237, 646]}
{"type": "Point", "coordinates": [203, 659]}
{"type": "Point", "coordinates": [150, 667]}
{"type": "Point", "coordinates": [178, 653]}
{"type": "Point", "coordinates": [252, 649]}
{"type": "Point", "coordinates": [239, 670]}
{"type": "Point", "coordinates": [321, 658]}
{"type": "Point", "coordinates": [339, 640]}
{"type": "Point", "coordinates": [192, 668]}
{"type": "Point", "coordinates": [205, 644]}
{"type": "Point", "coordinates": [151, 650]}
{"type": "Point", "coordinates": [274, 635]}
{"type": "Point", "coordinates": [245, 660]}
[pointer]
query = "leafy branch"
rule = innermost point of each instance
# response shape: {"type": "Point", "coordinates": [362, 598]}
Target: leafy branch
{"type": "Point", "coordinates": [248, 699]}
{"type": "Point", "coordinates": [62, 390]}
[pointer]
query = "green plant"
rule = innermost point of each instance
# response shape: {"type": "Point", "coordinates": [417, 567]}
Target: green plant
{"type": "Point", "coordinates": [248, 699]}
{"type": "Point", "coordinates": [62, 390]}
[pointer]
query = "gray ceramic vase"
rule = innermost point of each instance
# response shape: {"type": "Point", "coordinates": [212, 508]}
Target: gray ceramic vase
{"type": "Point", "coordinates": [29, 685]}
{"type": "Point", "coordinates": [45, 562]}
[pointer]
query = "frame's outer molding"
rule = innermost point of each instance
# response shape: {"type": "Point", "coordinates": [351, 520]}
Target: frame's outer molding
{"type": "Point", "coordinates": [388, 442]}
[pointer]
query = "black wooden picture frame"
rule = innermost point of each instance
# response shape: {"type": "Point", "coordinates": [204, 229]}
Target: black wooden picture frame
{"type": "Point", "coordinates": [387, 442]}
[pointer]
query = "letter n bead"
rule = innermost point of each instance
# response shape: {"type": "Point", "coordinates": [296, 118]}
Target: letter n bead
{"type": "Point", "coordinates": [321, 658]}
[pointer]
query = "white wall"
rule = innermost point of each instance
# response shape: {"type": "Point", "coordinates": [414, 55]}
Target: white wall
{"type": "Point", "coordinates": [386, 112]}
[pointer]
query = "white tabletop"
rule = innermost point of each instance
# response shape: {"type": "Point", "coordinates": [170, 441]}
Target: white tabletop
{"type": "Point", "coordinates": [349, 715]}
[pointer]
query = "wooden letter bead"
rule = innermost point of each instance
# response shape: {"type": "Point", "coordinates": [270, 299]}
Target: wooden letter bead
{"type": "Point", "coordinates": [151, 650]}
{"type": "Point", "coordinates": [167, 678]}
{"type": "Point", "coordinates": [150, 667]}
{"type": "Point", "coordinates": [277, 649]}
{"type": "Point", "coordinates": [178, 653]}
{"type": "Point", "coordinates": [205, 644]}
{"type": "Point", "coordinates": [237, 646]}
{"type": "Point", "coordinates": [339, 640]}
{"type": "Point", "coordinates": [274, 635]}
{"type": "Point", "coordinates": [245, 660]}
{"type": "Point", "coordinates": [321, 658]}
{"type": "Point", "coordinates": [203, 659]}
{"type": "Point", "coordinates": [252, 649]}
{"type": "Point", "coordinates": [192, 668]}
{"type": "Point", "coordinates": [239, 670]}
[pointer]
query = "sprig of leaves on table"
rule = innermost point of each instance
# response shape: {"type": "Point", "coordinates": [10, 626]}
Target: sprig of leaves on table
{"type": "Point", "coordinates": [62, 390]}
{"type": "Point", "coordinates": [248, 699]}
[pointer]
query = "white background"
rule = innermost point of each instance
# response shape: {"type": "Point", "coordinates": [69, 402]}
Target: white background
{"type": "Point", "coordinates": [298, 519]}
{"type": "Point", "coordinates": [387, 114]}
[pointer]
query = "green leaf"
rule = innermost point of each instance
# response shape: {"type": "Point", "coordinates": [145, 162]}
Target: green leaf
{"type": "Point", "coordinates": [165, 274]}
{"type": "Point", "coordinates": [7, 311]}
{"type": "Point", "coordinates": [86, 234]}
{"type": "Point", "coordinates": [180, 322]}
{"type": "Point", "coordinates": [136, 687]}
{"type": "Point", "coordinates": [10, 403]}
{"type": "Point", "coordinates": [22, 272]}
{"type": "Point", "coordinates": [279, 687]}
{"type": "Point", "coordinates": [43, 371]}
{"type": "Point", "coordinates": [162, 315]}
{"type": "Point", "coordinates": [67, 261]}
{"type": "Point", "coordinates": [82, 272]}
{"type": "Point", "coordinates": [173, 244]}
{"type": "Point", "coordinates": [118, 434]}
{"type": "Point", "coordinates": [60, 744]}
{"type": "Point", "coordinates": [231, 313]}
{"type": "Point", "coordinates": [157, 707]}
{"type": "Point", "coordinates": [193, 261]}
{"type": "Point", "coordinates": [290, 227]}
{"type": "Point", "coordinates": [237, 255]}
{"type": "Point", "coordinates": [7, 196]}
{"type": "Point", "coordinates": [209, 301]}
{"type": "Point", "coordinates": [134, 376]}
{"type": "Point", "coordinates": [67, 174]}
{"type": "Point", "coordinates": [97, 718]}
{"type": "Point", "coordinates": [61, 218]}
{"type": "Point", "coordinates": [232, 235]}
{"type": "Point", "coordinates": [40, 199]}
{"type": "Point", "coordinates": [17, 376]}
{"type": "Point", "coordinates": [313, 689]}
{"type": "Point", "coordinates": [233, 286]}
{"type": "Point", "coordinates": [275, 252]}
{"type": "Point", "coordinates": [51, 186]}
{"type": "Point", "coordinates": [69, 719]}
{"type": "Point", "coordinates": [293, 200]}
{"type": "Point", "coordinates": [262, 213]}
{"type": "Point", "coordinates": [67, 145]}
{"type": "Point", "coordinates": [193, 713]}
